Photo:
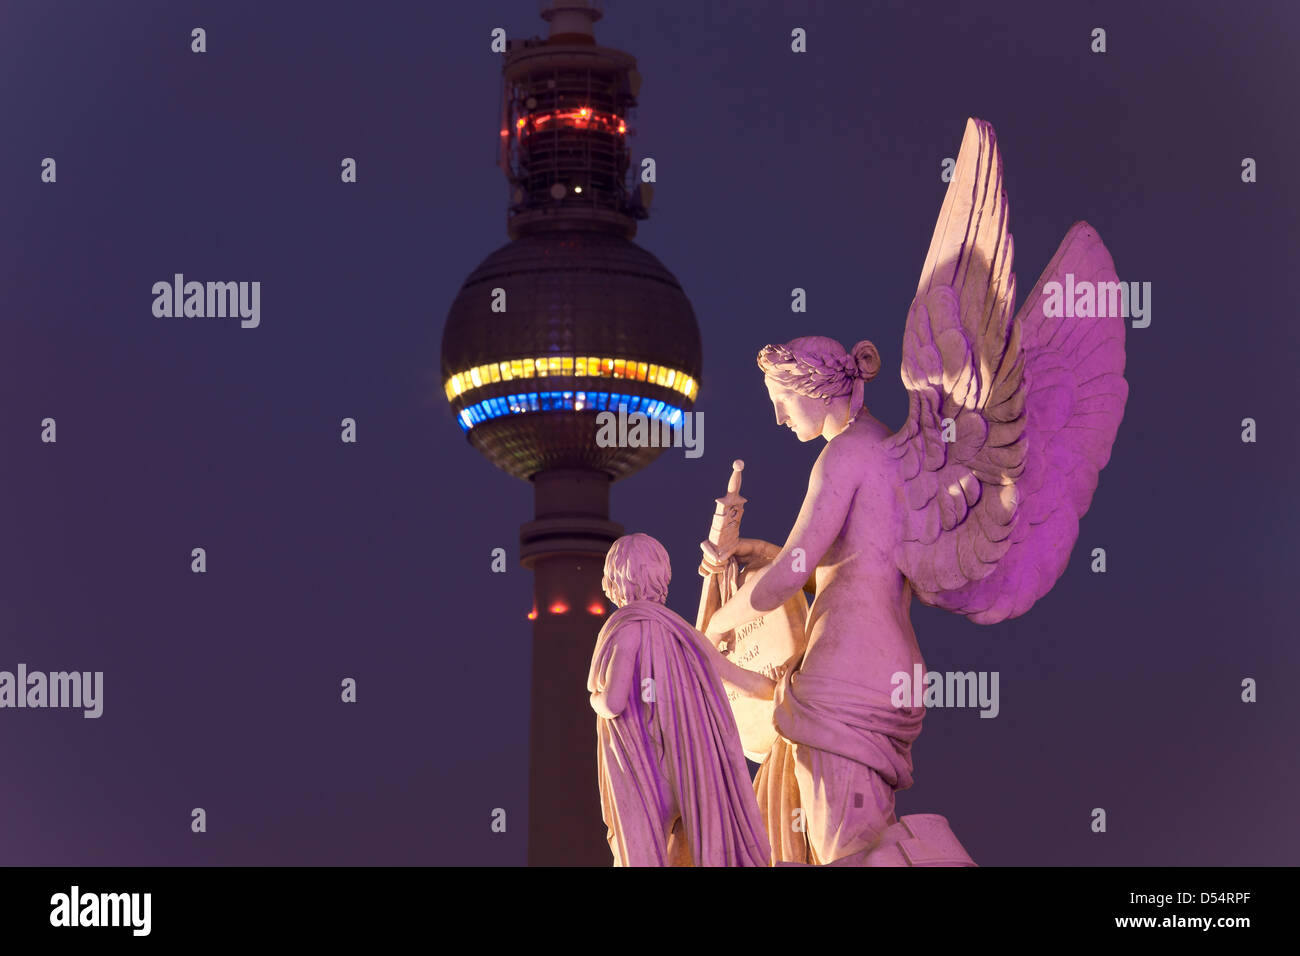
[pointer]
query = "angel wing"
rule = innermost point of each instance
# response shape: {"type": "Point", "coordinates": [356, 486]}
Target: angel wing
{"type": "Point", "coordinates": [1010, 419]}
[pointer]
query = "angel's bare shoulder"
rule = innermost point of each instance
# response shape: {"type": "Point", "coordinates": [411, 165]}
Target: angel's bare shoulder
{"type": "Point", "coordinates": [859, 461]}
{"type": "Point", "coordinates": [861, 445]}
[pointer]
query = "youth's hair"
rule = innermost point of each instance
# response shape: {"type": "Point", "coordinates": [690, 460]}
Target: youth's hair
{"type": "Point", "coordinates": [637, 569]}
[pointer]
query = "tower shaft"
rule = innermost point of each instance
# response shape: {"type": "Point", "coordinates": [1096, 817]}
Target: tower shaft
{"type": "Point", "coordinates": [565, 548]}
{"type": "Point", "coordinates": [568, 324]}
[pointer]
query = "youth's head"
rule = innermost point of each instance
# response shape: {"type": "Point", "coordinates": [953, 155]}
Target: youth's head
{"type": "Point", "coordinates": [813, 378]}
{"type": "Point", "coordinates": [636, 569]}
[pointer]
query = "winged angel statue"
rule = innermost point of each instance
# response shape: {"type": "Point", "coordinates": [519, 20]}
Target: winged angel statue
{"type": "Point", "coordinates": [972, 506]}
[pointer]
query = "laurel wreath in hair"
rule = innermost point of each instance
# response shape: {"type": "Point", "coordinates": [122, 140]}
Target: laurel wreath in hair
{"type": "Point", "coordinates": [808, 374]}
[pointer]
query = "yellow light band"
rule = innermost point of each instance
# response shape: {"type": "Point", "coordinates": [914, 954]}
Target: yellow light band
{"type": "Point", "coordinates": [569, 366]}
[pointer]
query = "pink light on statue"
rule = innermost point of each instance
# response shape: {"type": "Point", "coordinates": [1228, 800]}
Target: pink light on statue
{"type": "Point", "coordinates": [989, 513]}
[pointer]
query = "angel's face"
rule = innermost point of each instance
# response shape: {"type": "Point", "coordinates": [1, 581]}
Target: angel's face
{"type": "Point", "coordinates": [803, 415]}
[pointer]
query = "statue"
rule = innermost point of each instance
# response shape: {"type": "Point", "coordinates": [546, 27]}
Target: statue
{"type": "Point", "coordinates": [674, 788]}
{"type": "Point", "coordinates": [972, 506]}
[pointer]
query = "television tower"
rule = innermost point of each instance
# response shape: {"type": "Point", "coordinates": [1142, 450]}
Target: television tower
{"type": "Point", "coordinates": [568, 319]}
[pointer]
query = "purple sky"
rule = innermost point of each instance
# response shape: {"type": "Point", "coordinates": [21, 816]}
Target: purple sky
{"type": "Point", "coordinates": [372, 560]}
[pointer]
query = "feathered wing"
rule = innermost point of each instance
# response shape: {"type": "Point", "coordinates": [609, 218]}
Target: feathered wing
{"type": "Point", "coordinates": [991, 514]}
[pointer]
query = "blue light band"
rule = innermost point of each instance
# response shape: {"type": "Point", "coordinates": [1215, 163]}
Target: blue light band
{"type": "Point", "coordinates": [525, 402]}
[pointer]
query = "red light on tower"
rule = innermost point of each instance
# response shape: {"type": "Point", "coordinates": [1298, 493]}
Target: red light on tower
{"type": "Point", "coordinates": [532, 615]}
{"type": "Point", "coordinates": [558, 607]}
{"type": "Point", "coordinates": [595, 607]}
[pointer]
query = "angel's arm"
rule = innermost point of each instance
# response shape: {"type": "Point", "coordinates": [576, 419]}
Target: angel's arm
{"type": "Point", "coordinates": [821, 519]}
{"type": "Point", "coordinates": [765, 552]}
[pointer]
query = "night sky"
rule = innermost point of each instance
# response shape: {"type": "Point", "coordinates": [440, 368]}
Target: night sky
{"type": "Point", "coordinates": [327, 560]}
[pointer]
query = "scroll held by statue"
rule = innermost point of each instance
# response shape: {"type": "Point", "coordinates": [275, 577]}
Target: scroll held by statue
{"type": "Point", "coordinates": [769, 645]}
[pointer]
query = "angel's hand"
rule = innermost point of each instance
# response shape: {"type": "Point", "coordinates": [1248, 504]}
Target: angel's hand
{"type": "Point", "coordinates": [752, 553]}
{"type": "Point", "coordinates": [755, 553]}
{"type": "Point", "coordinates": [715, 559]}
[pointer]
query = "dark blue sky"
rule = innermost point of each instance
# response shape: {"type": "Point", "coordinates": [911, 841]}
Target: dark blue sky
{"type": "Point", "coordinates": [372, 560]}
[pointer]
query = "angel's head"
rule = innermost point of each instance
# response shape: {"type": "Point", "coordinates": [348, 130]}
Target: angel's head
{"type": "Point", "coordinates": [636, 569]}
{"type": "Point", "coordinates": [815, 385]}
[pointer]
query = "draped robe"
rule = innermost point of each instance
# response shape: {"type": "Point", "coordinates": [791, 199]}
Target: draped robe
{"type": "Point", "coordinates": [674, 786]}
{"type": "Point", "coordinates": [842, 751]}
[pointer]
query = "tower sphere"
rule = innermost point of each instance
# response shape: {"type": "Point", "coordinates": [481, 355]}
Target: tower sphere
{"type": "Point", "coordinates": [586, 321]}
